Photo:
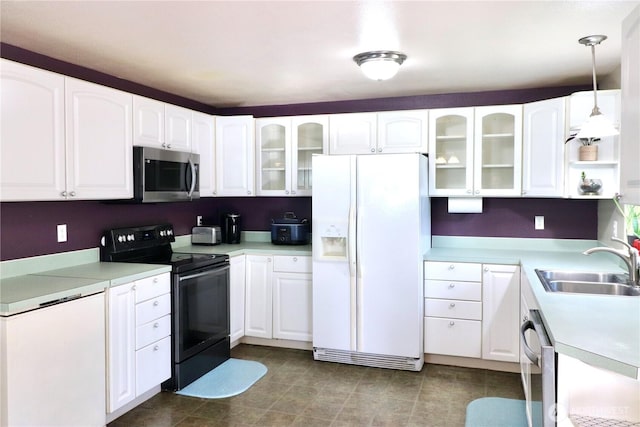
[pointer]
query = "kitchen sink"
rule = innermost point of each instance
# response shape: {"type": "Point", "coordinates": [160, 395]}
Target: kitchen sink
{"type": "Point", "coordinates": [587, 282]}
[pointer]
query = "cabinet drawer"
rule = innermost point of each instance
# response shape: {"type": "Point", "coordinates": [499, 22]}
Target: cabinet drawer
{"type": "Point", "coordinates": [453, 337]}
{"type": "Point", "coordinates": [153, 331]}
{"type": "Point", "coordinates": [463, 271]}
{"type": "Point", "coordinates": [153, 365]}
{"type": "Point", "coordinates": [453, 308]}
{"type": "Point", "coordinates": [153, 286]}
{"type": "Point", "coordinates": [449, 289]}
{"type": "Point", "coordinates": [292, 264]}
{"type": "Point", "coordinates": [153, 309]}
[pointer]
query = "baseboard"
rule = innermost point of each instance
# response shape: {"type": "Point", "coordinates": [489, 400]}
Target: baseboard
{"type": "Point", "coordinates": [469, 362]}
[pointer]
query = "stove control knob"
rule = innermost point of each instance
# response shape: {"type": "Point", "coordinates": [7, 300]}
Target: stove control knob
{"type": "Point", "coordinates": [121, 238]}
{"type": "Point", "coordinates": [162, 233]}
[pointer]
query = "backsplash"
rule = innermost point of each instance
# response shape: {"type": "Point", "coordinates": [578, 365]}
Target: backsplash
{"type": "Point", "coordinates": [29, 228]}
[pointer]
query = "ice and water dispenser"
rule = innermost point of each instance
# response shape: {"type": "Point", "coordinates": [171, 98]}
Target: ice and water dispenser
{"type": "Point", "coordinates": [332, 241]}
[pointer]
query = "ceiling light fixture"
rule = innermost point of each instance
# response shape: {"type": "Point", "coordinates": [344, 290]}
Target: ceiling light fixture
{"type": "Point", "coordinates": [597, 126]}
{"type": "Point", "coordinates": [380, 64]}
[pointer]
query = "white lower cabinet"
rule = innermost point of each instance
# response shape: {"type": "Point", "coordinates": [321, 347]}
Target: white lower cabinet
{"type": "Point", "coordinates": [237, 296]}
{"type": "Point", "coordinates": [138, 339]}
{"type": "Point", "coordinates": [52, 365]}
{"type": "Point", "coordinates": [278, 297]}
{"type": "Point", "coordinates": [472, 310]}
{"type": "Point", "coordinates": [453, 309]}
{"type": "Point", "coordinates": [501, 312]}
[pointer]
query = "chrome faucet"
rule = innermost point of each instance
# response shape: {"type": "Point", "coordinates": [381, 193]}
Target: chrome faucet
{"type": "Point", "coordinates": [629, 256]}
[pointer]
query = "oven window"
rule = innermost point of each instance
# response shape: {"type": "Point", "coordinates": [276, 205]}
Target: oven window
{"type": "Point", "coordinates": [162, 175]}
{"type": "Point", "coordinates": [202, 311]}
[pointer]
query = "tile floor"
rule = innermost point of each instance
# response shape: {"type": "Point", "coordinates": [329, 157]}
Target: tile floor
{"type": "Point", "coordinates": [298, 391]}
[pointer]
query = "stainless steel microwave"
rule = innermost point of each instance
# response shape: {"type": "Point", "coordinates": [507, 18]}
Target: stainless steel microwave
{"type": "Point", "coordinates": [165, 175]}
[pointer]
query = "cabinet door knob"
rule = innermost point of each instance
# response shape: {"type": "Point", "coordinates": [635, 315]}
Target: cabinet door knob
{"type": "Point", "coordinates": [133, 288]}
{"type": "Point", "coordinates": [293, 192]}
{"type": "Point", "coordinates": [156, 303]}
{"type": "Point", "coordinates": [452, 323]}
{"type": "Point", "coordinates": [379, 150]}
{"type": "Point", "coordinates": [452, 305]}
{"type": "Point", "coordinates": [164, 145]}
{"type": "Point", "coordinates": [72, 194]}
{"type": "Point", "coordinates": [155, 280]}
{"type": "Point", "coordinates": [452, 285]}
{"type": "Point", "coordinates": [295, 259]}
{"type": "Point", "coordinates": [156, 348]}
{"type": "Point", "coordinates": [156, 325]}
{"type": "Point", "coordinates": [249, 193]}
{"type": "Point", "coordinates": [373, 150]}
{"type": "Point", "coordinates": [286, 191]}
{"type": "Point", "coordinates": [486, 269]}
{"type": "Point", "coordinates": [63, 194]}
{"type": "Point", "coordinates": [451, 267]}
{"type": "Point", "coordinates": [168, 145]}
{"type": "Point", "coordinates": [477, 191]}
{"type": "Point", "coordinates": [468, 191]}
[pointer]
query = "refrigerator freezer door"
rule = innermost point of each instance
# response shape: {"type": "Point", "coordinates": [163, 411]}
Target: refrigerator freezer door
{"type": "Point", "coordinates": [334, 260]}
{"type": "Point", "coordinates": [389, 287]}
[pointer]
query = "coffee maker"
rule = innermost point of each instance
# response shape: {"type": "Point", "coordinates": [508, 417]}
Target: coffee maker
{"type": "Point", "coordinates": [231, 228]}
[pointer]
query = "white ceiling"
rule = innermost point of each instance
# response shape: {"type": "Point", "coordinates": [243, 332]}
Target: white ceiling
{"type": "Point", "coordinates": [243, 53]}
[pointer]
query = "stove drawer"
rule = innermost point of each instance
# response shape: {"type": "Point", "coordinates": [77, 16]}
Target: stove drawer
{"type": "Point", "coordinates": [153, 286]}
{"type": "Point", "coordinates": [153, 331]}
{"type": "Point", "coordinates": [153, 309]}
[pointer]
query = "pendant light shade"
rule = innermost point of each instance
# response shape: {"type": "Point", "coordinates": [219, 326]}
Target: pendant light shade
{"type": "Point", "coordinates": [598, 125]}
{"type": "Point", "coordinates": [380, 64]}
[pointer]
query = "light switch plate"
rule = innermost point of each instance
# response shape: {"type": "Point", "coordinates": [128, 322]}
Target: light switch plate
{"type": "Point", "coordinates": [539, 222]}
{"type": "Point", "coordinates": [62, 233]}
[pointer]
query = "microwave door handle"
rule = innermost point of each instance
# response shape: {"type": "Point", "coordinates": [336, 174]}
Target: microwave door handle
{"type": "Point", "coordinates": [193, 178]}
{"type": "Point", "coordinates": [531, 355]}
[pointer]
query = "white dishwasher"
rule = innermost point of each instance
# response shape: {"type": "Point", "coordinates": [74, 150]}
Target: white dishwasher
{"type": "Point", "coordinates": [52, 365]}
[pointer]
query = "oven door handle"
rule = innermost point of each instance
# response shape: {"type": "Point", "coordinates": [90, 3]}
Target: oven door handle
{"type": "Point", "coordinates": [531, 355]}
{"type": "Point", "coordinates": [204, 273]}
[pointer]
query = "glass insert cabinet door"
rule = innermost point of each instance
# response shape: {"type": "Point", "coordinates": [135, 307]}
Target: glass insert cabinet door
{"type": "Point", "coordinates": [284, 148]}
{"type": "Point", "coordinates": [451, 152]}
{"type": "Point", "coordinates": [498, 150]}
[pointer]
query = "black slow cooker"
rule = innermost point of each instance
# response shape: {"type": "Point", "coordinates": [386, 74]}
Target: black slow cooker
{"type": "Point", "coordinates": [289, 230]}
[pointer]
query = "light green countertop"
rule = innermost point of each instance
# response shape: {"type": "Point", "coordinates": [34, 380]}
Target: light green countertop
{"type": "Point", "coordinates": [603, 331]}
{"type": "Point", "coordinates": [245, 248]}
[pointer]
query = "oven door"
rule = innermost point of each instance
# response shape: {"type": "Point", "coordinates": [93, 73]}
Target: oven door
{"type": "Point", "coordinates": [538, 369]}
{"type": "Point", "coordinates": [201, 310]}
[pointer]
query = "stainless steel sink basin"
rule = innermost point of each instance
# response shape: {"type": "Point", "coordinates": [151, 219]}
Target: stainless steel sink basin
{"type": "Point", "coordinates": [587, 282]}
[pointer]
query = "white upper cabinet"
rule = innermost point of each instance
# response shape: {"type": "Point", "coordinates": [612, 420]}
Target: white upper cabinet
{"type": "Point", "coordinates": [543, 148]}
{"type": "Point", "coordinates": [284, 146]}
{"type": "Point", "coordinates": [403, 132]}
{"type": "Point", "coordinates": [606, 166]}
{"type": "Point", "coordinates": [161, 125]}
{"type": "Point", "coordinates": [32, 133]}
{"type": "Point", "coordinates": [498, 151]}
{"type": "Point", "coordinates": [630, 126]}
{"type": "Point", "coordinates": [234, 156]}
{"type": "Point", "coordinates": [74, 136]}
{"type": "Point", "coordinates": [386, 132]}
{"type": "Point", "coordinates": [451, 152]}
{"type": "Point", "coordinates": [353, 133]}
{"type": "Point", "coordinates": [476, 151]}
{"type": "Point", "coordinates": [99, 141]}
{"type": "Point", "coordinates": [148, 122]}
{"type": "Point", "coordinates": [177, 121]}
{"type": "Point", "coordinates": [203, 135]}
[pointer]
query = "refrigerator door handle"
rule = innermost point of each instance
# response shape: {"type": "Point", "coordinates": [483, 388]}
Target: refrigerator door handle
{"type": "Point", "coordinates": [351, 243]}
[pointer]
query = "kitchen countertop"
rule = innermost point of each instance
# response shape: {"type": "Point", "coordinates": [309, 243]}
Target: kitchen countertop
{"type": "Point", "coordinates": [603, 331]}
{"type": "Point", "coordinates": [245, 248]}
{"type": "Point", "coordinates": [28, 291]}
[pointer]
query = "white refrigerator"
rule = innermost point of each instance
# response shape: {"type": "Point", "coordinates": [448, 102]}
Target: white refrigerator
{"type": "Point", "coordinates": [370, 229]}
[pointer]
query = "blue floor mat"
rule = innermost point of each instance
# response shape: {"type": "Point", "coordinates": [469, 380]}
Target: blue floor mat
{"type": "Point", "coordinates": [496, 412]}
{"type": "Point", "coordinates": [232, 377]}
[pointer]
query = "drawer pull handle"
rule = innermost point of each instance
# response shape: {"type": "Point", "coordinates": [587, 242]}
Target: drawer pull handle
{"type": "Point", "coordinates": [155, 280]}
{"type": "Point", "coordinates": [156, 348]}
{"type": "Point", "coordinates": [453, 304]}
{"type": "Point", "coordinates": [133, 288]}
{"type": "Point", "coordinates": [451, 267]}
{"type": "Point", "coordinates": [452, 285]}
{"type": "Point", "coordinates": [486, 269]}
{"type": "Point", "coordinates": [295, 259]}
{"type": "Point", "coordinates": [155, 303]}
{"type": "Point", "coordinates": [156, 325]}
{"type": "Point", "coordinates": [452, 323]}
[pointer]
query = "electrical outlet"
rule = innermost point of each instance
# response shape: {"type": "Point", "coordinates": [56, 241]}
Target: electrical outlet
{"type": "Point", "coordinates": [199, 220]}
{"type": "Point", "coordinates": [539, 222]}
{"type": "Point", "coordinates": [62, 233]}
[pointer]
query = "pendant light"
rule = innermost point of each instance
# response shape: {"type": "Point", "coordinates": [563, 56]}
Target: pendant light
{"type": "Point", "coordinates": [597, 125]}
{"type": "Point", "coordinates": [380, 64]}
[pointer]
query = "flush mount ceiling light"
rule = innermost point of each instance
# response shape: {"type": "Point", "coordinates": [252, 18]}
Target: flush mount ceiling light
{"type": "Point", "coordinates": [380, 64]}
{"type": "Point", "coordinates": [597, 126]}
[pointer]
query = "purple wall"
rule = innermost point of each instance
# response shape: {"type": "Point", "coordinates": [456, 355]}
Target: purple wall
{"type": "Point", "coordinates": [29, 228]}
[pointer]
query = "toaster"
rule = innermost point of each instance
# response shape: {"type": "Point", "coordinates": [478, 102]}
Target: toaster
{"type": "Point", "coordinates": [209, 235]}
